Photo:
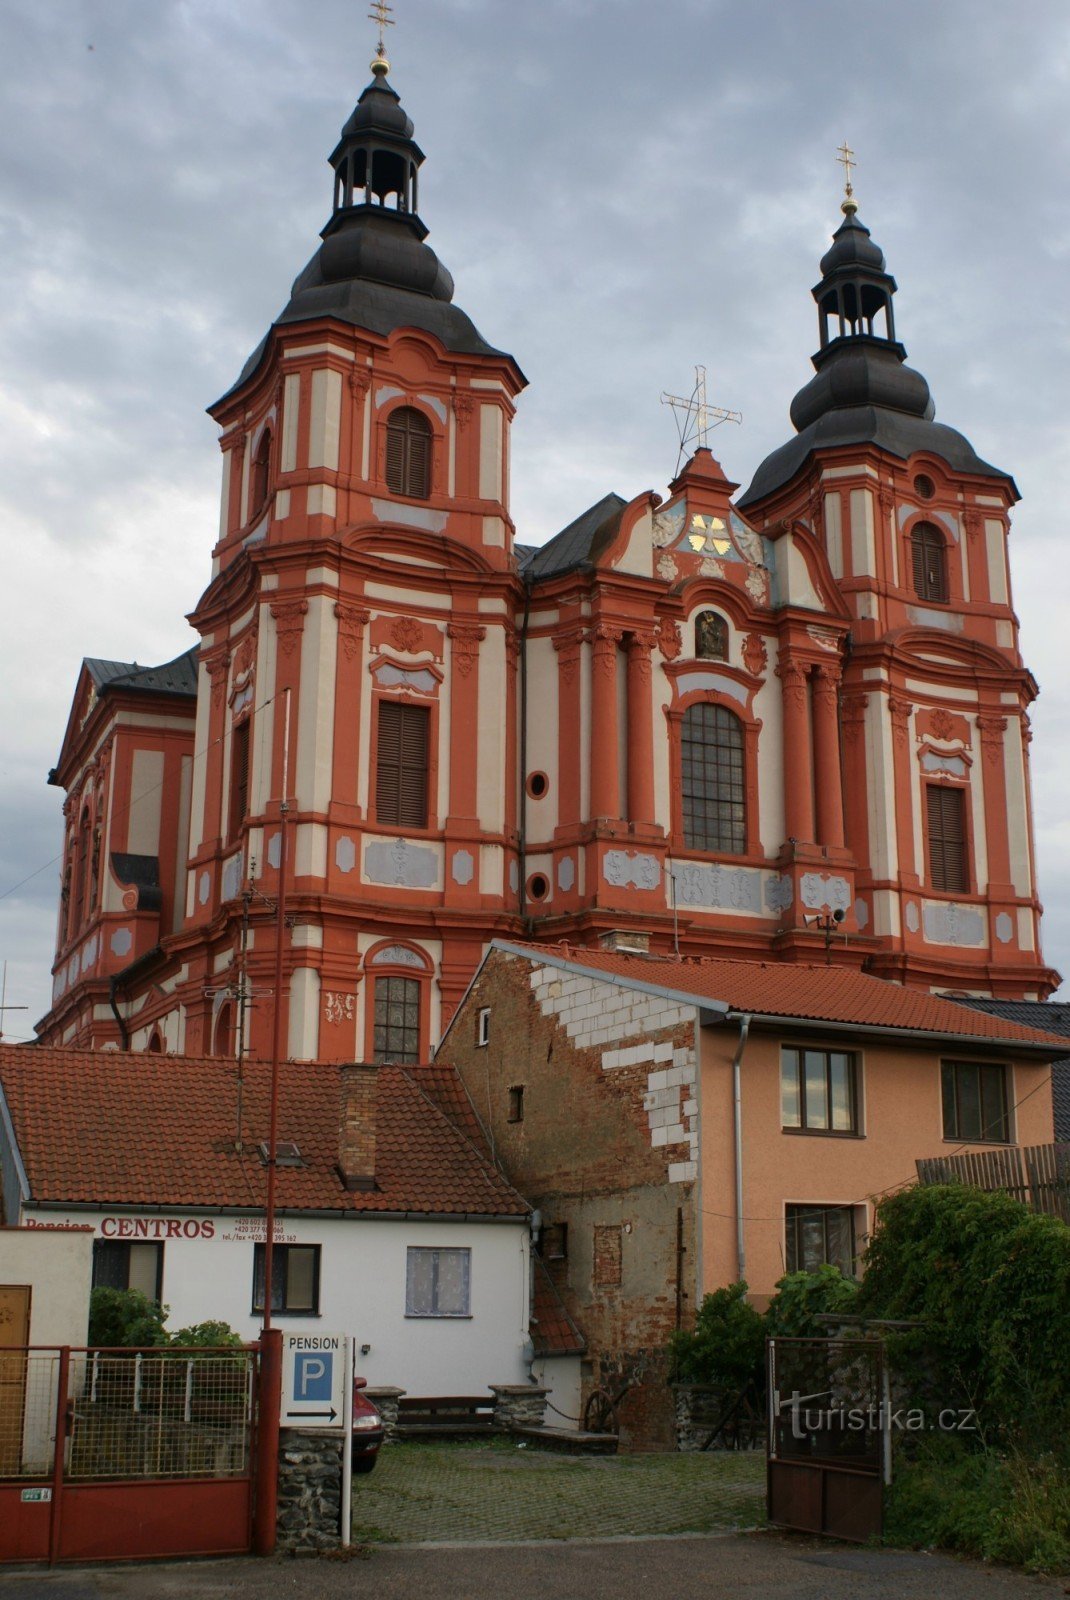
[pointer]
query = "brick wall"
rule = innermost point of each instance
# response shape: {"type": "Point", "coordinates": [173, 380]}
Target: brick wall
{"type": "Point", "coordinates": [607, 1145]}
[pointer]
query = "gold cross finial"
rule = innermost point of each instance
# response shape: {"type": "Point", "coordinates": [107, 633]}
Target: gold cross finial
{"type": "Point", "coordinates": [846, 158]}
{"type": "Point", "coordinates": [695, 417]}
{"type": "Point", "coordinates": [380, 15]}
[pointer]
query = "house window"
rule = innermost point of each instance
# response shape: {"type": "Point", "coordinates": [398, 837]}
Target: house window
{"type": "Point", "coordinates": [408, 453]}
{"type": "Point", "coordinates": [711, 636]}
{"type": "Point", "coordinates": [948, 867]}
{"type": "Point", "coordinates": [397, 1020]}
{"type": "Point", "coordinates": [711, 749]}
{"type": "Point", "coordinates": [819, 1091]}
{"type": "Point", "coordinates": [975, 1101]}
{"type": "Point", "coordinates": [483, 1026]}
{"type": "Point", "coordinates": [438, 1283]}
{"type": "Point", "coordinates": [402, 765]}
{"type": "Point", "coordinates": [516, 1103]}
{"type": "Point", "coordinates": [239, 776]}
{"type": "Point", "coordinates": [295, 1279]}
{"type": "Point", "coordinates": [608, 1261]}
{"type": "Point", "coordinates": [119, 1265]}
{"type": "Point", "coordinates": [929, 558]}
{"type": "Point", "coordinates": [820, 1235]}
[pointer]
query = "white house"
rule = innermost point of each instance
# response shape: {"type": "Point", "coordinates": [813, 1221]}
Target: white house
{"type": "Point", "coordinates": [393, 1223]}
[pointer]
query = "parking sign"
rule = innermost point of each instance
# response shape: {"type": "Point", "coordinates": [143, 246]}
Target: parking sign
{"type": "Point", "coordinates": [313, 1379]}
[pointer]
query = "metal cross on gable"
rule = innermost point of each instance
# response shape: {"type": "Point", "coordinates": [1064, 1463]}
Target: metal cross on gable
{"type": "Point", "coordinates": [695, 417]}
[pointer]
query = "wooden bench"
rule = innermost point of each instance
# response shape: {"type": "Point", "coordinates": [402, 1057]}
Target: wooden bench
{"type": "Point", "coordinates": [421, 1416]}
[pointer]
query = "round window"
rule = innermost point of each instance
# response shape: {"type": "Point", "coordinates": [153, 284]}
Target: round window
{"type": "Point", "coordinates": [538, 886]}
{"type": "Point", "coordinates": [924, 486]}
{"type": "Point", "coordinates": [538, 785]}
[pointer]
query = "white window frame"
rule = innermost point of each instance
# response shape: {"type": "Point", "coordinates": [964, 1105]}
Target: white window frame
{"type": "Point", "coordinates": [437, 1251]}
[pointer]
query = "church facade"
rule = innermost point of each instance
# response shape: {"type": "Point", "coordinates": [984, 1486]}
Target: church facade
{"type": "Point", "coordinates": [790, 725]}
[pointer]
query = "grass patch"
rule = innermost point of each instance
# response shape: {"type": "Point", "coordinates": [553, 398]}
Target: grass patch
{"type": "Point", "coordinates": [1001, 1507]}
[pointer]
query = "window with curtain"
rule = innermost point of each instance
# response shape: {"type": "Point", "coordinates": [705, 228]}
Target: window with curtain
{"type": "Point", "coordinates": [948, 865]}
{"type": "Point", "coordinates": [975, 1101]}
{"type": "Point", "coordinates": [401, 778]}
{"type": "Point", "coordinates": [711, 769]}
{"type": "Point", "coordinates": [929, 557]}
{"type": "Point", "coordinates": [408, 453]}
{"type": "Point", "coordinates": [295, 1278]}
{"type": "Point", "coordinates": [438, 1283]}
{"type": "Point", "coordinates": [817, 1235]}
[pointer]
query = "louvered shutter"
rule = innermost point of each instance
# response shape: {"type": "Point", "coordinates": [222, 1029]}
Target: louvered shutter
{"type": "Point", "coordinates": [929, 556]}
{"type": "Point", "coordinates": [401, 775]}
{"type": "Point", "coordinates": [947, 838]}
{"type": "Point", "coordinates": [408, 453]}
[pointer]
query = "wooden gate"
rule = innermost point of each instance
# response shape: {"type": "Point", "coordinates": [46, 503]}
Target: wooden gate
{"type": "Point", "coordinates": [829, 1453]}
{"type": "Point", "coordinates": [128, 1454]}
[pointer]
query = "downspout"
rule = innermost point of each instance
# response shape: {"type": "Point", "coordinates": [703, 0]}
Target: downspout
{"type": "Point", "coordinates": [737, 1121]}
{"type": "Point", "coordinates": [522, 805]}
{"type": "Point", "coordinates": [113, 984]}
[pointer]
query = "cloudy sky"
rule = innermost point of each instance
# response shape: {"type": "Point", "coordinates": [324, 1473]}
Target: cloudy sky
{"type": "Point", "coordinates": [621, 190]}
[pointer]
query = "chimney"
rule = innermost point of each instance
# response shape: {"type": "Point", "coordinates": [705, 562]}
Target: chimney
{"type": "Point", "coordinates": [357, 1126]}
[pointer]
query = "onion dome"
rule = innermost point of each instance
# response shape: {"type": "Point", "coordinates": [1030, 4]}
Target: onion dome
{"type": "Point", "coordinates": [862, 392]}
{"type": "Point", "coordinates": [374, 268]}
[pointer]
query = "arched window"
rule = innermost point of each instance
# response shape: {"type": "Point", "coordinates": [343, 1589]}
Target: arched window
{"type": "Point", "coordinates": [397, 1020]}
{"type": "Point", "coordinates": [929, 555]}
{"type": "Point", "coordinates": [155, 1045]}
{"type": "Point", "coordinates": [711, 770]}
{"type": "Point", "coordinates": [81, 871]}
{"type": "Point", "coordinates": [223, 1036]}
{"type": "Point", "coordinates": [408, 453]}
{"type": "Point", "coordinates": [711, 636]}
{"type": "Point", "coordinates": [258, 490]}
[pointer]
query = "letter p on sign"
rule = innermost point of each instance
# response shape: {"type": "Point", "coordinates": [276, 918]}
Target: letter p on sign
{"type": "Point", "coordinates": [313, 1376]}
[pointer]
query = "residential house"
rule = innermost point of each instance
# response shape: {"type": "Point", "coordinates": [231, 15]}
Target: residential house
{"type": "Point", "coordinates": [680, 1124]}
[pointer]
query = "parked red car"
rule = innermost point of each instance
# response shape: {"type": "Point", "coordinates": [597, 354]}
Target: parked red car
{"type": "Point", "coordinates": [367, 1429]}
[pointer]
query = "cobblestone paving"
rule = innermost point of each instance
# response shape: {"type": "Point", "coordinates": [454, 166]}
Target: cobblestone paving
{"type": "Point", "coordinates": [454, 1492]}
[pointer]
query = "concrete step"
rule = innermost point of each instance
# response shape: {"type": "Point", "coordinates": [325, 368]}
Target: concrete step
{"type": "Point", "coordinates": [568, 1441]}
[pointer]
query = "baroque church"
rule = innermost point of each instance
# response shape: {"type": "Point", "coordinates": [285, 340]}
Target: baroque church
{"type": "Point", "coordinates": [786, 725]}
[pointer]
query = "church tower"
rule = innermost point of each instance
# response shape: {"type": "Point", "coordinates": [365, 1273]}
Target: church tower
{"type": "Point", "coordinates": [931, 695]}
{"type": "Point", "coordinates": [357, 631]}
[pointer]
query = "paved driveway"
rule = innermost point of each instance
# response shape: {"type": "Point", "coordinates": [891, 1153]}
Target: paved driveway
{"type": "Point", "coordinates": [445, 1493]}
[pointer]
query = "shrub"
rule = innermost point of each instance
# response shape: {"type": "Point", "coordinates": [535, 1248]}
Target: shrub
{"type": "Point", "coordinates": [216, 1334]}
{"type": "Point", "coordinates": [125, 1317]}
{"type": "Point", "coordinates": [803, 1296]}
{"type": "Point", "coordinates": [990, 1282]}
{"type": "Point", "coordinates": [727, 1345]}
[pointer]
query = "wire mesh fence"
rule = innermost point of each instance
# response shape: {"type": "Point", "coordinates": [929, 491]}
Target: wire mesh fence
{"type": "Point", "coordinates": [128, 1414]}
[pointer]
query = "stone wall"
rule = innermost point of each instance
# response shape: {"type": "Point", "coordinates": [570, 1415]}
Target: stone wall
{"type": "Point", "coordinates": [518, 1405]}
{"type": "Point", "coordinates": [700, 1408]}
{"type": "Point", "coordinates": [385, 1400]}
{"type": "Point", "coordinates": [310, 1490]}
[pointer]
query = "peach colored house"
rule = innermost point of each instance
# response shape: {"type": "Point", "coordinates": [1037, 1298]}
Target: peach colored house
{"type": "Point", "coordinates": [680, 1124]}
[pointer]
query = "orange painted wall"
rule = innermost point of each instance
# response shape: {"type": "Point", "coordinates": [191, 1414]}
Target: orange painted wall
{"type": "Point", "coordinates": [900, 1115]}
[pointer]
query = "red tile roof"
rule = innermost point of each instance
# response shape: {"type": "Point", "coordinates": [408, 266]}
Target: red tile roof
{"type": "Point", "coordinates": [148, 1130]}
{"type": "Point", "coordinates": [553, 1332]}
{"type": "Point", "coordinates": [777, 989]}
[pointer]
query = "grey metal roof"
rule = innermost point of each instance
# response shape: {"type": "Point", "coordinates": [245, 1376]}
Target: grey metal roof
{"type": "Point", "coordinates": [578, 544]}
{"type": "Point", "coordinates": [173, 677]}
{"type": "Point", "coordinates": [1054, 1017]}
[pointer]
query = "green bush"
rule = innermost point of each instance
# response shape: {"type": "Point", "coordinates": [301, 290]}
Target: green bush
{"type": "Point", "coordinates": [125, 1317]}
{"type": "Point", "coordinates": [728, 1343]}
{"type": "Point", "coordinates": [990, 1282]}
{"type": "Point", "coordinates": [215, 1334]}
{"type": "Point", "coordinates": [999, 1507]}
{"type": "Point", "coordinates": [802, 1297]}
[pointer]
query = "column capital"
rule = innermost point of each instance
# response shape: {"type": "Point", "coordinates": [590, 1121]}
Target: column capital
{"type": "Point", "coordinates": [289, 618]}
{"type": "Point", "coordinates": [352, 621]}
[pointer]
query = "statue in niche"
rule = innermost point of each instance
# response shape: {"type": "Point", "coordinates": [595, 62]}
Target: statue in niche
{"type": "Point", "coordinates": [711, 636]}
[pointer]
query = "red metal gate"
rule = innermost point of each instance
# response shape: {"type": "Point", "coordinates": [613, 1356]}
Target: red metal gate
{"type": "Point", "coordinates": [829, 1444]}
{"type": "Point", "coordinates": [126, 1454]}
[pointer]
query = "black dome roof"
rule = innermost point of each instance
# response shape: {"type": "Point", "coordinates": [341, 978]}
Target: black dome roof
{"type": "Point", "coordinates": [852, 247]}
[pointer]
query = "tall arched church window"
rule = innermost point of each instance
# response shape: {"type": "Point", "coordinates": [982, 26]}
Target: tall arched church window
{"type": "Point", "coordinates": [949, 867]}
{"type": "Point", "coordinates": [223, 1037]}
{"type": "Point", "coordinates": [711, 636]}
{"type": "Point", "coordinates": [397, 1020]}
{"type": "Point", "coordinates": [258, 491]}
{"type": "Point", "coordinates": [81, 871]}
{"type": "Point", "coordinates": [929, 556]}
{"type": "Point", "coordinates": [711, 763]}
{"type": "Point", "coordinates": [239, 777]}
{"type": "Point", "coordinates": [408, 453]}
